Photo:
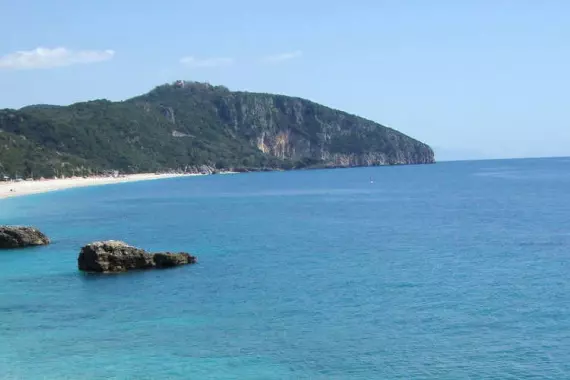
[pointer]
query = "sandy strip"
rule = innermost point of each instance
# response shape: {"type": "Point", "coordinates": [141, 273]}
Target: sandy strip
{"type": "Point", "coordinates": [14, 189]}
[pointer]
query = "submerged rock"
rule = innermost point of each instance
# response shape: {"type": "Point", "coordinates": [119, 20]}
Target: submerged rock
{"type": "Point", "coordinates": [117, 256]}
{"type": "Point", "coordinates": [20, 237]}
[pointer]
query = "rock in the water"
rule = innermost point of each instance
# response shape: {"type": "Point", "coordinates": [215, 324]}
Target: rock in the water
{"type": "Point", "coordinates": [117, 256]}
{"type": "Point", "coordinates": [113, 256]}
{"type": "Point", "coordinates": [20, 237]}
{"type": "Point", "coordinates": [167, 259]}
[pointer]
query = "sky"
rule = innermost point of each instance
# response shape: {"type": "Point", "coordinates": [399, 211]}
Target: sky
{"type": "Point", "coordinates": [475, 79]}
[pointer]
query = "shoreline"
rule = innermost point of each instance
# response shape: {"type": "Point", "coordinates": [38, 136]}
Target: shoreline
{"type": "Point", "coordinates": [23, 188]}
{"type": "Point", "coordinates": [14, 189]}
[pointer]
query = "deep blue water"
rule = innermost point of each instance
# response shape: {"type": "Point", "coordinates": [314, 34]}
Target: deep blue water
{"type": "Point", "coordinates": [448, 271]}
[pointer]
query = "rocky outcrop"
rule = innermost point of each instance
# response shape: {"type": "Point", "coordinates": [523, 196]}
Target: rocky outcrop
{"type": "Point", "coordinates": [168, 260]}
{"type": "Point", "coordinates": [297, 129]}
{"type": "Point", "coordinates": [200, 169]}
{"type": "Point", "coordinates": [21, 237]}
{"type": "Point", "coordinates": [297, 132]}
{"type": "Point", "coordinates": [116, 256]}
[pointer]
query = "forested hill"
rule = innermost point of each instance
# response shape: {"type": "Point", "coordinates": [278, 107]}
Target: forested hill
{"type": "Point", "coordinates": [185, 125]}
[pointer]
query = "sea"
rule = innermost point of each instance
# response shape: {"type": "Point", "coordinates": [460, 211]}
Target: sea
{"type": "Point", "coordinates": [458, 270]}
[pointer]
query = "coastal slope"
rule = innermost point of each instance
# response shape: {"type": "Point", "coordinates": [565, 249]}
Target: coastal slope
{"type": "Point", "coordinates": [186, 125]}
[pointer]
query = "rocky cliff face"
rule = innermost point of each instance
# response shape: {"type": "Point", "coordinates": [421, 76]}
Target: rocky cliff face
{"type": "Point", "coordinates": [297, 129]}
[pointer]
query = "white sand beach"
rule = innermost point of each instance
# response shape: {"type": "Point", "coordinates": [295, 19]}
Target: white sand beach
{"type": "Point", "coordinates": [14, 189]}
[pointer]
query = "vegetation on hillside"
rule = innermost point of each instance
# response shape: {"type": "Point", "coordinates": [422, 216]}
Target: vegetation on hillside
{"type": "Point", "coordinates": [181, 127]}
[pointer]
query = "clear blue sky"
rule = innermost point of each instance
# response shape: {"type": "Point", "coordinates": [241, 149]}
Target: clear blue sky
{"type": "Point", "coordinates": [473, 78]}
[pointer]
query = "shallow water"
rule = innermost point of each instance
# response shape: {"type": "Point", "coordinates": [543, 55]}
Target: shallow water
{"type": "Point", "coordinates": [448, 271]}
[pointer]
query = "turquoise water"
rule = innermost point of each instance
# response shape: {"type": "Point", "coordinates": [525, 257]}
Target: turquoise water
{"type": "Point", "coordinates": [448, 271]}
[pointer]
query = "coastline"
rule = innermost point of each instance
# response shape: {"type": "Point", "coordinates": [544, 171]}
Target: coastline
{"type": "Point", "coordinates": [13, 189]}
{"type": "Point", "coordinates": [17, 189]}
